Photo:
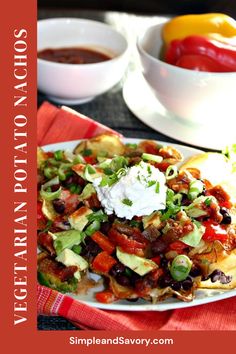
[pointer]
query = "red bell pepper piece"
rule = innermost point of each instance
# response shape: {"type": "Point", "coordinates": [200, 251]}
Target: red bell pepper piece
{"type": "Point", "coordinates": [222, 53]}
{"type": "Point", "coordinates": [127, 244]}
{"type": "Point", "coordinates": [214, 232]}
{"type": "Point", "coordinates": [103, 242]}
{"type": "Point", "coordinates": [200, 62]}
{"type": "Point", "coordinates": [105, 297]}
{"type": "Point", "coordinates": [41, 219]}
{"type": "Point", "coordinates": [103, 262]}
{"type": "Point", "coordinates": [178, 246]}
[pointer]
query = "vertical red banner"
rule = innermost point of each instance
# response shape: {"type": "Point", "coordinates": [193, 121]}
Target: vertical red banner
{"type": "Point", "coordinates": [18, 170]}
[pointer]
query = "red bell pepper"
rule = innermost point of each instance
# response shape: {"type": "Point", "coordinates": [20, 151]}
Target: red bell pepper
{"type": "Point", "coordinates": [128, 244]}
{"type": "Point", "coordinates": [105, 296]}
{"type": "Point", "coordinates": [200, 62]}
{"type": "Point", "coordinates": [103, 242]}
{"type": "Point", "coordinates": [222, 54]}
{"type": "Point", "coordinates": [103, 262]}
{"type": "Point", "coordinates": [41, 219]}
{"type": "Point", "coordinates": [214, 232]}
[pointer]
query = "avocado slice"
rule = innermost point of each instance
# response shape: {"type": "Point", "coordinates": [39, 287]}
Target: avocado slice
{"type": "Point", "coordinates": [138, 264]}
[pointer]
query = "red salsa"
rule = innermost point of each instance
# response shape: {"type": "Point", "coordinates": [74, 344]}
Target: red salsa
{"type": "Point", "coordinates": [73, 55]}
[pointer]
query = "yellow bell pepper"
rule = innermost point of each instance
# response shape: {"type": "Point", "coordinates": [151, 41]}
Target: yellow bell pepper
{"type": "Point", "coordinates": [210, 24]}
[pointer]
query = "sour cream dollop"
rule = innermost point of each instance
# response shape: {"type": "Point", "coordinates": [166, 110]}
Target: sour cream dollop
{"type": "Point", "coordinates": [139, 192]}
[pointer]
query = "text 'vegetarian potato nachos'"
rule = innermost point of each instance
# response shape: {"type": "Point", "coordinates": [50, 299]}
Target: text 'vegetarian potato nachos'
{"type": "Point", "coordinates": [127, 213]}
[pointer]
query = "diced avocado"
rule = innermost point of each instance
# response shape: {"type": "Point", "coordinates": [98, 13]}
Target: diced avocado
{"type": "Point", "coordinates": [195, 210]}
{"type": "Point", "coordinates": [87, 192]}
{"type": "Point", "coordinates": [194, 237]}
{"type": "Point", "coordinates": [70, 258]}
{"type": "Point", "coordinates": [78, 219]}
{"type": "Point", "coordinates": [153, 219]}
{"type": "Point", "coordinates": [52, 281]}
{"type": "Point", "coordinates": [49, 275]}
{"type": "Point", "coordinates": [66, 239]}
{"type": "Point", "coordinates": [138, 264]}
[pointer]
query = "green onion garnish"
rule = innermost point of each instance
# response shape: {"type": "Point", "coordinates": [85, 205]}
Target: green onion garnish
{"type": "Point", "coordinates": [157, 190]}
{"type": "Point", "coordinates": [151, 183]}
{"type": "Point", "coordinates": [87, 152]}
{"type": "Point", "coordinates": [151, 157]}
{"type": "Point", "coordinates": [127, 201]}
{"type": "Point", "coordinates": [208, 201]}
{"type": "Point", "coordinates": [171, 172]}
{"type": "Point", "coordinates": [58, 155]}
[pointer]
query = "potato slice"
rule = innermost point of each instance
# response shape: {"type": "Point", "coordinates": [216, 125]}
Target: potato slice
{"type": "Point", "coordinates": [213, 166]}
{"type": "Point", "coordinates": [216, 168]}
{"type": "Point", "coordinates": [109, 143]}
{"type": "Point", "coordinates": [227, 265]}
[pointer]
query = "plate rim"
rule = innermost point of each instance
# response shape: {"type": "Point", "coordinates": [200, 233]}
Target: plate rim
{"type": "Point", "coordinates": [161, 306]}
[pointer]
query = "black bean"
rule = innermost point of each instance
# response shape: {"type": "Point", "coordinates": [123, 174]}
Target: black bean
{"type": "Point", "coordinates": [59, 205]}
{"type": "Point", "coordinates": [226, 217]}
{"type": "Point", "coordinates": [117, 269]}
{"type": "Point", "coordinates": [187, 283]}
{"type": "Point", "coordinates": [165, 280]}
{"type": "Point", "coordinates": [218, 275]}
{"type": "Point", "coordinates": [91, 248]}
{"type": "Point", "coordinates": [133, 300]}
{"type": "Point", "coordinates": [105, 227]}
{"type": "Point", "coordinates": [164, 263]}
{"type": "Point", "coordinates": [195, 271]}
{"type": "Point", "coordinates": [176, 285]}
{"type": "Point", "coordinates": [134, 278]}
{"type": "Point", "coordinates": [158, 246]}
{"type": "Point", "coordinates": [123, 280]}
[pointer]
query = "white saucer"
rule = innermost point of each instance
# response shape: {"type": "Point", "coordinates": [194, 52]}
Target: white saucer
{"type": "Point", "coordinates": [144, 105]}
{"type": "Point", "coordinates": [68, 101]}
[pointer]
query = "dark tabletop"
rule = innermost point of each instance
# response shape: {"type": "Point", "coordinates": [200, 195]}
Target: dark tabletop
{"type": "Point", "coordinates": [109, 109]}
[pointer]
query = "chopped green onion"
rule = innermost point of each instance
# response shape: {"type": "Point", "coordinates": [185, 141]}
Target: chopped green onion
{"type": "Point", "coordinates": [157, 190]}
{"type": "Point", "coordinates": [151, 157]}
{"type": "Point", "coordinates": [195, 188]}
{"type": "Point", "coordinates": [75, 188]}
{"type": "Point", "coordinates": [87, 152]}
{"type": "Point", "coordinates": [64, 171]}
{"type": "Point", "coordinates": [171, 172]}
{"type": "Point", "coordinates": [108, 171]}
{"type": "Point", "coordinates": [132, 146]}
{"type": "Point", "coordinates": [180, 267]}
{"type": "Point", "coordinates": [47, 195]}
{"type": "Point", "coordinates": [121, 172]}
{"type": "Point", "coordinates": [151, 183]}
{"type": "Point", "coordinates": [78, 159]}
{"type": "Point", "coordinates": [95, 226]}
{"type": "Point", "coordinates": [208, 201]}
{"type": "Point", "coordinates": [53, 182]}
{"type": "Point", "coordinates": [77, 249]}
{"type": "Point", "coordinates": [97, 215]}
{"type": "Point", "coordinates": [127, 201]}
{"type": "Point", "coordinates": [88, 171]}
{"type": "Point", "coordinates": [50, 172]}
{"type": "Point", "coordinates": [135, 223]}
{"type": "Point", "coordinates": [118, 162]}
{"type": "Point", "coordinates": [59, 155]}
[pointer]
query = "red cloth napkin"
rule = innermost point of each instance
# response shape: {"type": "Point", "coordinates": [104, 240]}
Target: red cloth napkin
{"type": "Point", "coordinates": [63, 124]}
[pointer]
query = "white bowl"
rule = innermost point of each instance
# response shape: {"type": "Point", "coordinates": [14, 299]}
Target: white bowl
{"type": "Point", "coordinates": [79, 83]}
{"type": "Point", "coordinates": [200, 97]}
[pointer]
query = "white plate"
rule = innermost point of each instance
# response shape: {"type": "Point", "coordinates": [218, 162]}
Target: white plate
{"type": "Point", "coordinates": [202, 296]}
{"type": "Point", "coordinates": [144, 105]}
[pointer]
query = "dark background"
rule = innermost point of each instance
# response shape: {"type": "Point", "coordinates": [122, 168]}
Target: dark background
{"type": "Point", "coordinates": [147, 6]}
